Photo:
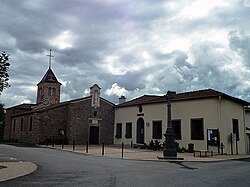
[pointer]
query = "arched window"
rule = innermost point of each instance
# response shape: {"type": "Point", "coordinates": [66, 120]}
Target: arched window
{"type": "Point", "coordinates": [52, 91]}
{"type": "Point", "coordinates": [14, 125]}
{"type": "Point", "coordinates": [21, 124]}
{"type": "Point", "coordinates": [31, 123]}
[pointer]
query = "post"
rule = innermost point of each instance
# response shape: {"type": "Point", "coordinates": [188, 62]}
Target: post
{"type": "Point", "coordinates": [231, 143]}
{"type": "Point", "coordinates": [169, 150]}
{"type": "Point", "coordinates": [123, 148]}
{"type": "Point", "coordinates": [53, 142]}
{"type": "Point", "coordinates": [87, 146]}
{"type": "Point", "coordinates": [222, 147]}
{"type": "Point", "coordinates": [62, 145]}
{"type": "Point", "coordinates": [74, 142]}
{"type": "Point", "coordinates": [131, 144]}
{"type": "Point", "coordinates": [102, 148]}
{"type": "Point", "coordinates": [236, 146]}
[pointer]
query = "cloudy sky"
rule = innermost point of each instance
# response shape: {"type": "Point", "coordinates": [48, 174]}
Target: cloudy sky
{"type": "Point", "coordinates": [127, 47]}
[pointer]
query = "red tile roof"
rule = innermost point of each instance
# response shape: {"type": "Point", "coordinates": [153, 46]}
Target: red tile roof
{"type": "Point", "coordinates": [200, 94]}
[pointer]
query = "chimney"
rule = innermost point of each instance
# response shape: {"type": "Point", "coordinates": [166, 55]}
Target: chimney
{"type": "Point", "coordinates": [122, 99]}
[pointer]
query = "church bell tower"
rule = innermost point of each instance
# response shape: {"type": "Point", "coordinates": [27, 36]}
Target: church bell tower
{"type": "Point", "coordinates": [48, 89]}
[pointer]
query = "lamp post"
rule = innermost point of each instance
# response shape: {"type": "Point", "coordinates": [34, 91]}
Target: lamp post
{"type": "Point", "coordinates": [169, 151]}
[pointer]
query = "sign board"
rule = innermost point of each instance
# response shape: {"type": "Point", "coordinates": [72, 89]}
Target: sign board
{"type": "Point", "coordinates": [213, 138]}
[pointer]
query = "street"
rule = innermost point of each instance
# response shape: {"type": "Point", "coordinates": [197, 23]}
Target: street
{"type": "Point", "coordinates": [62, 168]}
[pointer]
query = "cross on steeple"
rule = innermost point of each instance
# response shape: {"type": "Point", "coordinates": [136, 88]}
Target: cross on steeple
{"type": "Point", "coordinates": [50, 56]}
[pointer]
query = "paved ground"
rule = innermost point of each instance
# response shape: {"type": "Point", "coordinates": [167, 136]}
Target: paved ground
{"type": "Point", "coordinates": [17, 168]}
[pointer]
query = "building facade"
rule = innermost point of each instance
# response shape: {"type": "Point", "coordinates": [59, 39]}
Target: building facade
{"type": "Point", "coordinates": [248, 128]}
{"type": "Point", "coordinates": [205, 118]}
{"type": "Point", "coordinates": [49, 120]}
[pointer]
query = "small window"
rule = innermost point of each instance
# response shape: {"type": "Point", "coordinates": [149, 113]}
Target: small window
{"type": "Point", "coordinates": [236, 129]}
{"type": "Point", "coordinates": [118, 130]}
{"type": "Point", "coordinates": [128, 130]}
{"type": "Point", "coordinates": [31, 123]}
{"type": "Point", "coordinates": [14, 125]}
{"type": "Point", "coordinates": [21, 125]}
{"type": "Point", "coordinates": [52, 91]}
{"type": "Point", "coordinates": [157, 129]}
{"type": "Point", "coordinates": [40, 91]}
{"type": "Point", "coordinates": [197, 129]}
{"type": "Point", "coordinates": [176, 124]}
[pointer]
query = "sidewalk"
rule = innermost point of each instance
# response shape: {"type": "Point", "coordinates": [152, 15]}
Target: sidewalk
{"type": "Point", "coordinates": [115, 151]}
{"type": "Point", "coordinates": [15, 170]}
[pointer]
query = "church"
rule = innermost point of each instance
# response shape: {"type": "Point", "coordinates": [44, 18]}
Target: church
{"type": "Point", "coordinates": [80, 120]}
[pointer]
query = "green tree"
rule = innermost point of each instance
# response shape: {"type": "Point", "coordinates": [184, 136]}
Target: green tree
{"type": "Point", "coordinates": [4, 66]}
{"type": "Point", "coordinates": [2, 117]}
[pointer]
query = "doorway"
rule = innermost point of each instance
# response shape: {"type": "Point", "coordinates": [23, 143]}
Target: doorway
{"type": "Point", "coordinates": [249, 144]}
{"type": "Point", "coordinates": [94, 135]}
{"type": "Point", "coordinates": [140, 131]}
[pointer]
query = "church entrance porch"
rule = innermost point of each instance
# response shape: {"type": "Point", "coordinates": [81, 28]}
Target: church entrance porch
{"type": "Point", "coordinates": [94, 135]}
{"type": "Point", "coordinates": [140, 131]}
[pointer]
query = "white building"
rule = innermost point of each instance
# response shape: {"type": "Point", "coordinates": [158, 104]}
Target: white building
{"type": "Point", "coordinates": [205, 118]}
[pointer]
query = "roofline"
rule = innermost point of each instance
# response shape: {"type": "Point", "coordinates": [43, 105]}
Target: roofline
{"type": "Point", "coordinates": [57, 106]}
{"type": "Point", "coordinates": [219, 94]}
{"type": "Point", "coordinates": [27, 104]}
{"type": "Point", "coordinates": [147, 103]}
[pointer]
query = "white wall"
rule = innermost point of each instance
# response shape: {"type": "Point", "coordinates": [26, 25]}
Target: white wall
{"type": "Point", "coordinates": [216, 113]}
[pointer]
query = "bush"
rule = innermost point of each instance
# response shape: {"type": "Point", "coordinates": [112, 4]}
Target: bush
{"type": "Point", "coordinates": [155, 145]}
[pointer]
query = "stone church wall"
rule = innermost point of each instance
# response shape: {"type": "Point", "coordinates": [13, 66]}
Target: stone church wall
{"type": "Point", "coordinates": [107, 114]}
{"type": "Point", "coordinates": [78, 126]}
{"type": "Point", "coordinates": [80, 119]}
{"type": "Point", "coordinates": [49, 123]}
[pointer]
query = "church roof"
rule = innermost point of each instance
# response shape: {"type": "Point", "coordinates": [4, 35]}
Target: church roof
{"type": "Point", "coordinates": [49, 77]}
{"type": "Point", "coordinates": [200, 94]}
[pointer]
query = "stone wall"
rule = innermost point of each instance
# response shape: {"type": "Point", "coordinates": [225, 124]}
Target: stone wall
{"type": "Point", "coordinates": [81, 116]}
{"type": "Point", "coordinates": [74, 117]}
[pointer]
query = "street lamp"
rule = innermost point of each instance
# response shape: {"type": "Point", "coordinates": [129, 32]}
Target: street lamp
{"type": "Point", "coordinates": [169, 151]}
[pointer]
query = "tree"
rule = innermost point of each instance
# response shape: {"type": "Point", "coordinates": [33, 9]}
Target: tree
{"type": "Point", "coordinates": [4, 66]}
{"type": "Point", "coordinates": [2, 117]}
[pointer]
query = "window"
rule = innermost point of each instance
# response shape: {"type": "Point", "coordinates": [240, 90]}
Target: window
{"type": "Point", "coordinates": [128, 130]}
{"type": "Point", "coordinates": [157, 130]}
{"type": "Point", "coordinates": [31, 123]}
{"type": "Point", "coordinates": [118, 130]}
{"type": "Point", "coordinates": [176, 124]}
{"type": "Point", "coordinates": [95, 114]}
{"type": "Point", "coordinates": [40, 91]}
{"type": "Point", "coordinates": [52, 91]}
{"type": "Point", "coordinates": [197, 131]}
{"type": "Point", "coordinates": [21, 124]}
{"type": "Point", "coordinates": [14, 125]}
{"type": "Point", "coordinates": [236, 129]}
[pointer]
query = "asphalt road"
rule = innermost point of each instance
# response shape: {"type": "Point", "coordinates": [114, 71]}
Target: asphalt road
{"type": "Point", "coordinates": [61, 168]}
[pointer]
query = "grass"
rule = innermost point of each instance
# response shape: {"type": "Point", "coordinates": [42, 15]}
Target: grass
{"type": "Point", "coordinates": [1, 167]}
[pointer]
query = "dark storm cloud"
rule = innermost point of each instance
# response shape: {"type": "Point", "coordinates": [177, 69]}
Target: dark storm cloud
{"type": "Point", "coordinates": [127, 47]}
{"type": "Point", "coordinates": [240, 42]}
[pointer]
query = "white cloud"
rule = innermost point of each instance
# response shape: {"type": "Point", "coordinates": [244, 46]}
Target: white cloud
{"type": "Point", "coordinates": [116, 90]}
{"type": "Point", "coordinates": [63, 40]}
{"type": "Point", "coordinates": [202, 8]}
